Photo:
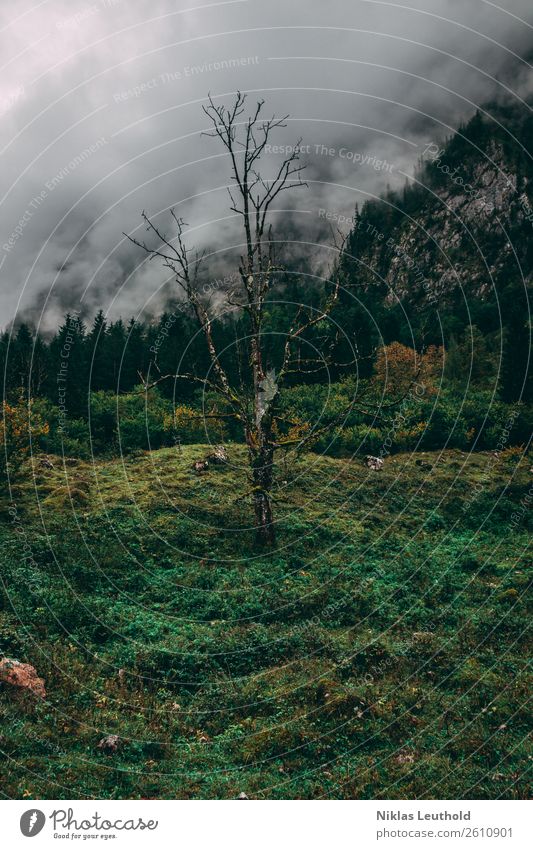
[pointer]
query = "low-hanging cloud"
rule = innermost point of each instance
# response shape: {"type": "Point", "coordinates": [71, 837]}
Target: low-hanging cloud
{"type": "Point", "coordinates": [101, 117]}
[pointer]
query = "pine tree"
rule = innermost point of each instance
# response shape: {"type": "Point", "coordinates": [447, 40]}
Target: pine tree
{"type": "Point", "coordinates": [97, 355]}
{"type": "Point", "coordinates": [516, 382]}
{"type": "Point", "coordinates": [67, 383]}
{"type": "Point", "coordinates": [134, 359]}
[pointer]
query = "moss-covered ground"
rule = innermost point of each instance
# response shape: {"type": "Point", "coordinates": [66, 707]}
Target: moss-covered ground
{"type": "Point", "coordinates": [380, 651]}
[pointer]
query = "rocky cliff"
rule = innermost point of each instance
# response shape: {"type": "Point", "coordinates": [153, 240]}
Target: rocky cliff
{"type": "Point", "coordinates": [463, 225]}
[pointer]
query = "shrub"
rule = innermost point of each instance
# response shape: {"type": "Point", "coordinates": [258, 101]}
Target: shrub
{"type": "Point", "coordinates": [21, 429]}
{"type": "Point", "coordinates": [191, 425]}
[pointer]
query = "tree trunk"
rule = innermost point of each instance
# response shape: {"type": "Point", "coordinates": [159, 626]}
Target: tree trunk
{"type": "Point", "coordinates": [262, 469]}
{"type": "Point", "coordinates": [264, 524]}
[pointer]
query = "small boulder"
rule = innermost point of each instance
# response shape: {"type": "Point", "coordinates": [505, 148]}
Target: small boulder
{"type": "Point", "coordinates": [219, 456]}
{"type": "Point", "coordinates": [405, 758]}
{"type": "Point", "coordinates": [242, 796]}
{"type": "Point", "coordinates": [374, 463]}
{"type": "Point", "coordinates": [422, 637]}
{"type": "Point", "coordinates": [200, 466]}
{"type": "Point", "coordinates": [110, 744]}
{"type": "Point", "coordinates": [22, 675]}
{"type": "Point", "coordinates": [45, 463]}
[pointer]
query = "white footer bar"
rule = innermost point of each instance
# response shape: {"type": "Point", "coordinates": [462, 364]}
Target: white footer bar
{"type": "Point", "coordinates": [265, 825]}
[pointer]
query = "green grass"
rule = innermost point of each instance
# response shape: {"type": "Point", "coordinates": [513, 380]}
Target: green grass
{"type": "Point", "coordinates": [379, 652]}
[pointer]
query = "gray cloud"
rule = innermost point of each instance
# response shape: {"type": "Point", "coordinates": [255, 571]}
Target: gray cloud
{"type": "Point", "coordinates": [100, 107]}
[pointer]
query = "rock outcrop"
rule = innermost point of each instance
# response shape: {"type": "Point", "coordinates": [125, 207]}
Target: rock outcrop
{"type": "Point", "coordinates": [463, 225]}
{"type": "Point", "coordinates": [23, 676]}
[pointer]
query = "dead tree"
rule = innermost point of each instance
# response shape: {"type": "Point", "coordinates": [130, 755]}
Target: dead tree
{"type": "Point", "coordinates": [252, 196]}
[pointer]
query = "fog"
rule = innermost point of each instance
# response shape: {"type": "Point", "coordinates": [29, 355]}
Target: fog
{"type": "Point", "coordinates": [101, 117]}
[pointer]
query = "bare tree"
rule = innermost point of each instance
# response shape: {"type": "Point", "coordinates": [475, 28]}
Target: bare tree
{"type": "Point", "coordinates": [252, 195]}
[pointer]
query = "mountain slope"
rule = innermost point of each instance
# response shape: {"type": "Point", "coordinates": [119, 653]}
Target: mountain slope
{"type": "Point", "coordinates": [464, 222]}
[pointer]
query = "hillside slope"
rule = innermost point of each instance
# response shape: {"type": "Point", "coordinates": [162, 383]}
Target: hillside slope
{"type": "Point", "coordinates": [379, 652]}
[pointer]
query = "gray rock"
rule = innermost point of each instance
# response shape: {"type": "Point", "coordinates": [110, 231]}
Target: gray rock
{"type": "Point", "coordinates": [110, 744]}
{"type": "Point", "coordinates": [218, 457]}
{"type": "Point", "coordinates": [200, 466]}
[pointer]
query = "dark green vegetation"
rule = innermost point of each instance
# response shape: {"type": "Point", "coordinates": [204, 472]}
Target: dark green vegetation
{"type": "Point", "coordinates": [379, 652]}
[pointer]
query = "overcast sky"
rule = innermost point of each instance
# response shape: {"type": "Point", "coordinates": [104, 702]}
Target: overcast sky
{"type": "Point", "coordinates": [100, 109]}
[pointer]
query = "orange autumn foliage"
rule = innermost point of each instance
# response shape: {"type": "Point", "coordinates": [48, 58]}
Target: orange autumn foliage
{"type": "Point", "coordinates": [398, 367]}
{"type": "Point", "coordinates": [20, 428]}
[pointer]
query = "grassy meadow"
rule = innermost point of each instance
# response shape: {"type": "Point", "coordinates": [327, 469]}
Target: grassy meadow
{"type": "Point", "coordinates": [379, 651]}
